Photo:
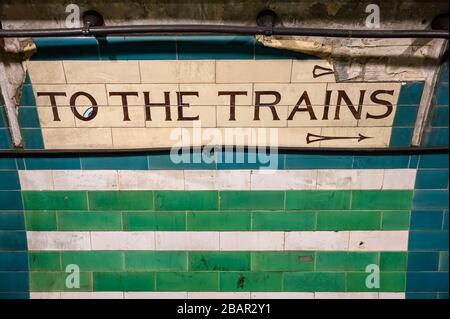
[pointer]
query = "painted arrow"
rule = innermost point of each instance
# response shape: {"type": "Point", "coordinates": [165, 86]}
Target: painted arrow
{"type": "Point", "coordinates": [319, 71]}
{"type": "Point", "coordinates": [312, 138]}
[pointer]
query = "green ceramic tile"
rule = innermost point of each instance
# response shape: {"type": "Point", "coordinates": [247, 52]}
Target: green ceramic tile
{"type": "Point", "coordinates": [344, 261]}
{"type": "Point", "coordinates": [392, 261]}
{"type": "Point", "coordinates": [387, 199]}
{"type": "Point", "coordinates": [124, 281]}
{"type": "Point", "coordinates": [187, 281]}
{"type": "Point", "coordinates": [98, 260]}
{"type": "Point", "coordinates": [122, 200]}
{"type": "Point", "coordinates": [283, 261]}
{"type": "Point", "coordinates": [40, 221]}
{"type": "Point", "coordinates": [163, 221]}
{"type": "Point", "coordinates": [348, 220]}
{"type": "Point", "coordinates": [251, 200]}
{"type": "Point", "coordinates": [395, 220]}
{"type": "Point", "coordinates": [155, 260]}
{"type": "Point", "coordinates": [186, 200]}
{"type": "Point", "coordinates": [250, 281]}
{"type": "Point", "coordinates": [314, 281]}
{"type": "Point", "coordinates": [45, 281]}
{"type": "Point", "coordinates": [54, 200]}
{"type": "Point", "coordinates": [89, 221]}
{"type": "Point", "coordinates": [215, 261]}
{"type": "Point", "coordinates": [318, 199]}
{"type": "Point", "coordinates": [211, 221]}
{"type": "Point", "coordinates": [283, 221]}
{"type": "Point", "coordinates": [43, 260]}
{"type": "Point", "coordinates": [389, 282]}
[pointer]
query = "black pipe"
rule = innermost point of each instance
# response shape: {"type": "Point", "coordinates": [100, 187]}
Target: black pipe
{"type": "Point", "coordinates": [133, 30]}
{"type": "Point", "coordinates": [304, 150]}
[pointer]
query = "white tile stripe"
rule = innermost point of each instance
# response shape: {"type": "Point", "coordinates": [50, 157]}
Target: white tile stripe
{"type": "Point", "coordinates": [219, 241]}
{"type": "Point", "coordinates": [216, 295]}
{"type": "Point", "coordinates": [327, 179]}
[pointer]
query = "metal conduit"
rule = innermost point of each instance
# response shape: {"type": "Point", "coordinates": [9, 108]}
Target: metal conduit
{"type": "Point", "coordinates": [134, 30]}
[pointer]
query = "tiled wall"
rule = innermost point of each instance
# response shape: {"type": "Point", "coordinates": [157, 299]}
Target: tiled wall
{"type": "Point", "coordinates": [428, 237]}
{"type": "Point", "coordinates": [13, 241]}
{"type": "Point", "coordinates": [141, 226]}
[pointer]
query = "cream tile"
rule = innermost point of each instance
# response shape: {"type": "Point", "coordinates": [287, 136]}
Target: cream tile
{"type": "Point", "coordinates": [283, 179]}
{"type": "Point", "coordinates": [114, 116]}
{"type": "Point", "coordinates": [315, 119]}
{"type": "Point", "coordinates": [399, 178]}
{"type": "Point", "coordinates": [34, 180]}
{"type": "Point", "coordinates": [245, 117]}
{"type": "Point", "coordinates": [354, 92]}
{"type": "Point", "coordinates": [312, 71]}
{"type": "Point", "coordinates": [208, 94]}
{"type": "Point", "coordinates": [317, 240]}
{"type": "Point", "coordinates": [85, 180]}
{"type": "Point", "coordinates": [102, 71]}
{"type": "Point", "coordinates": [156, 93]}
{"type": "Point", "coordinates": [378, 241]}
{"type": "Point", "coordinates": [258, 241]}
{"type": "Point", "coordinates": [96, 91]}
{"type": "Point", "coordinates": [151, 180]}
{"type": "Point", "coordinates": [177, 240]}
{"type": "Point", "coordinates": [257, 71]}
{"type": "Point", "coordinates": [190, 71]}
{"type": "Point", "coordinates": [46, 72]}
{"type": "Point", "coordinates": [145, 137]}
{"type": "Point", "coordinates": [206, 115]}
{"type": "Point", "coordinates": [77, 138]}
{"type": "Point", "coordinates": [379, 137]}
{"type": "Point", "coordinates": [113, 240]}
{"type": "Point", "coordinates": [292, 93]}
{"type": "Point", "coordinates": [377, 110]}
{"type": "Point", "coordinates": [57, 240]}
{"type": "Point", "coordinates": [217, 136]}
{"type": "Point", "coordinates": [296, 137]}
{"type": "Point", "coordinates": [47, 118]}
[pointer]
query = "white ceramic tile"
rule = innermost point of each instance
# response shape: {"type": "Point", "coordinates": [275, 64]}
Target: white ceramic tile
{"type": "Point", "coordinates": [35, 180]}
{"type": "Point", "coordinates": [283, 179]}
{"type": "Point", "coordinates": [172, 71]}
{"type": "Point", "coordinates": [77, 138]}
{"type": "Point", "coordinates": [177, 240]}
{"type": "Point", "coordinates": [378, 241]}
{"type": "Point", "coordinates": [85, 180]}
{"type": "Point", "coordinates": [346, 295]}
{"type": "Point", "coordinates": [57, 240]}
{"type": "Point", "coordinates": [270, 240]}
{"type": "Point", "coordinates": [333, 179]}
{"type": "Point", "coordinates": [151, 180]}
{"type": "Point", "coordinates": [156, 295]}
{"type": "Point", "coordinates": [368, 179]}
{"type": "Point", "coordinates": [317, 240]}
{"type": "Point", "coordinates": [113, 240]}
{"type": "Point", "coordinates": [92, 295]}
{"type": "Point", "coordinates": [45, 295]}
{"type": "Point", "coordinates": [218, 295]}
{"type": "Point", "coordinates": [399, 178]}
{"type": "Point", "coordinates": [282, 295]}
{"type": "Point", "coordinates": [391, 295]}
